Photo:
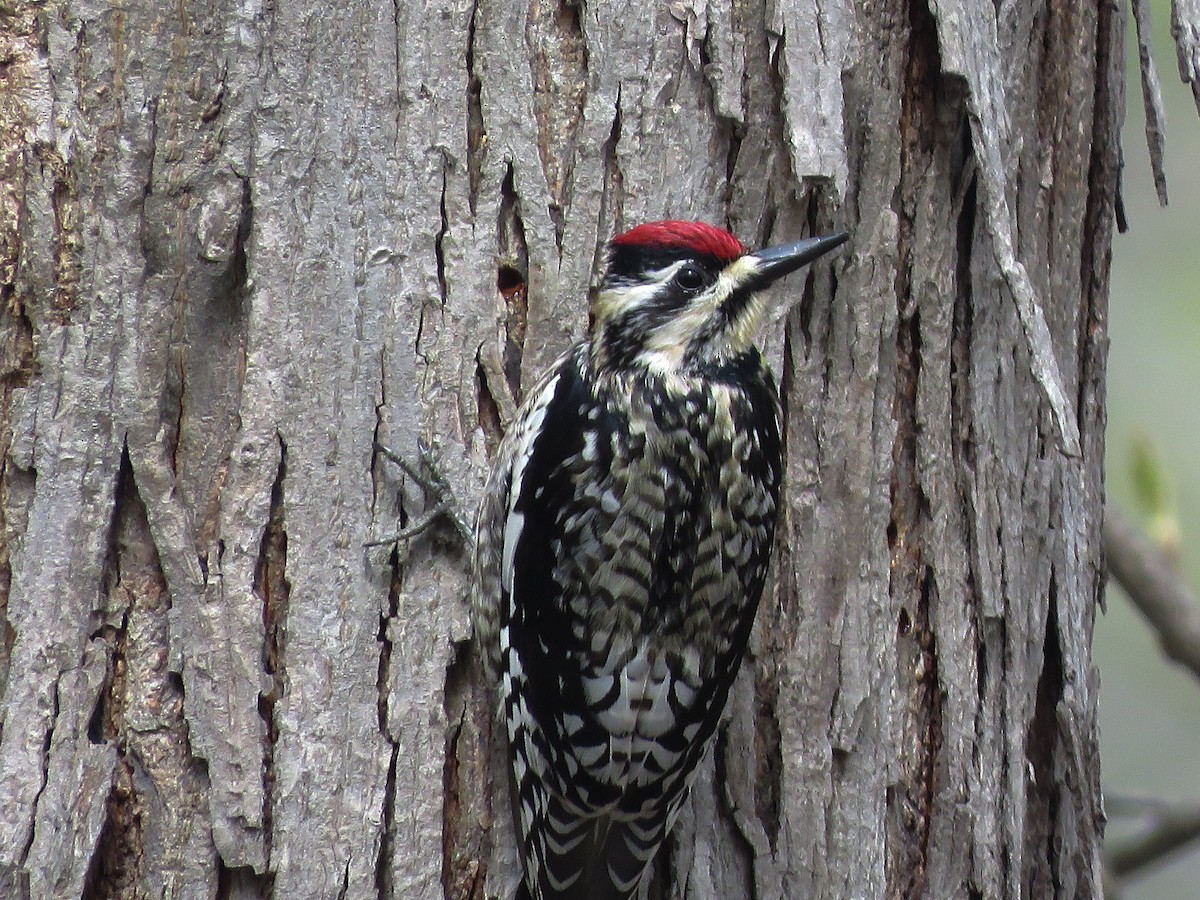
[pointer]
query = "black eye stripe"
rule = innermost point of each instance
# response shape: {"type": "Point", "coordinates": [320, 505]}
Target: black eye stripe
{"type": "Point", "coordinates": [635, 263]}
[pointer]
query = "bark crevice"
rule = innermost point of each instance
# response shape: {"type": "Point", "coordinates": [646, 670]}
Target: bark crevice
{"type": "Point", "coordinates": [512, 278]}
{"type": "Point", "coordinates": [272, 587]}
{"type": "Point", "coordinates": [558, 61]}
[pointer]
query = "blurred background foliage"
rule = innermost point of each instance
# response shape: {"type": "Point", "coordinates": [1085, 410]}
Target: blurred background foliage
{"type": "Point", "coordinates": [1149, 707]}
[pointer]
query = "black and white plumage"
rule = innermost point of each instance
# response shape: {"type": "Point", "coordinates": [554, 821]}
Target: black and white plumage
{"type": "Point", "coordinates": [622, 546]}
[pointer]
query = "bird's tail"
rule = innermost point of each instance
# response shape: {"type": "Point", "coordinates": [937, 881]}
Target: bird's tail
{"type": "Point", "coordinates": [593, 858]}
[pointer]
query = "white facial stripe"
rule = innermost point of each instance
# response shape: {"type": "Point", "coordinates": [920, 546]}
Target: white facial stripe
{"type": "Point", "coordinates": [666, 274]}
{"type": "Point", "coordinates": [733, 276]}
{"type": "Point", "coordinates": [666, 345]}
{"type": "Point", "coordinates": [614, 301]}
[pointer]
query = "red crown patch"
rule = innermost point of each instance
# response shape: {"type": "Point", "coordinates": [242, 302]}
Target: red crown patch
{"type": "Point", "coordinates": [699, 237]}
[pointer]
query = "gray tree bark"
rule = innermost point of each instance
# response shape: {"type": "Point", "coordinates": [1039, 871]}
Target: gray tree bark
{"type": "Point", "coordinates": [241, 241]}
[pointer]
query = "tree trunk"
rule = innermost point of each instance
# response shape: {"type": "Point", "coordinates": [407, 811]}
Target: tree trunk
{"type": "Point", "coordinates": [239, 242]}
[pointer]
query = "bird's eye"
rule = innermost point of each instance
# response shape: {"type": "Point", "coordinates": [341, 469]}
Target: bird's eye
{"type": "Point", "coordinates": [690, 278]}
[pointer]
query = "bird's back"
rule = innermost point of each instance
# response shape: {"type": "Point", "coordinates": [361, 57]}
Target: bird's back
{"type": "Point", "coordinates": [623, 545]}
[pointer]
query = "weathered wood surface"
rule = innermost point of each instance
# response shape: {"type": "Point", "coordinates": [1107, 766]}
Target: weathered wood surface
{"type": "Point", "coordinates": [241, 241]}
{"type": "Point", "coordinates": [1185, 28]}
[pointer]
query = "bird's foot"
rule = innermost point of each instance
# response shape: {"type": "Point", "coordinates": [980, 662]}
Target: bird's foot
{"type": "Point", "coordinates": [441, 504]}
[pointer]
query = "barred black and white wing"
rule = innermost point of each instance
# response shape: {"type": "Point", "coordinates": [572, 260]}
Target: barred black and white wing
{"type": "Point", "coordinates": [623, 544]}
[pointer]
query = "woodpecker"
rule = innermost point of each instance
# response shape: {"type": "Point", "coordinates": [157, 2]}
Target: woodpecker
{"type": "Point", "coordinates": [621, 548]}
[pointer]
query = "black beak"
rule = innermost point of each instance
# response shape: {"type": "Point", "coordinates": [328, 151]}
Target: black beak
{"type": "Point", "coordinates": [775, 262]}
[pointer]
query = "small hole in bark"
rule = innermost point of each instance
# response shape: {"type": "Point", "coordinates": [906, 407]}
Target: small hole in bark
{"type": "Point", "coordinates": [509, 280]}
{"type": "Point", "coordinates": [904, 626]}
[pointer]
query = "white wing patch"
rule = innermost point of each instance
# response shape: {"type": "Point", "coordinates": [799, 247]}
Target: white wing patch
{"type": "Point", "coordinates": [514, 522]}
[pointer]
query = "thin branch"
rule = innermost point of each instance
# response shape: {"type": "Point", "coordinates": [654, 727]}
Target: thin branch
{"type": "Point", "coordinates": [1137, 806]}
{"type": "Point", "coordinates": [1155, 589]}
{"type": "Point", "coordinates": [1173, 829]}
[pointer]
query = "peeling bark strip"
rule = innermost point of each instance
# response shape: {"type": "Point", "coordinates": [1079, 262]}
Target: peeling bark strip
{"type": "Point", "coordinates": [1152, 98]}
{"type": "Point", "coordinates": [970, 46]}
{"type": "Point", "coordinates": [1185, 28]}
{"type": "Point", "coordinates": [241, 242]}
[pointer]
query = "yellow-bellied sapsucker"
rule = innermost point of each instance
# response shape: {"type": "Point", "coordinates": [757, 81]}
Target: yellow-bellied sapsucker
{"type": "Point", "coordinates": [622, 545]}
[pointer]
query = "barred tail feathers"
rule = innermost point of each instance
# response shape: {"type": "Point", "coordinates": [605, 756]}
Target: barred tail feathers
{"type": "Point", "coordinates": [570, 857]}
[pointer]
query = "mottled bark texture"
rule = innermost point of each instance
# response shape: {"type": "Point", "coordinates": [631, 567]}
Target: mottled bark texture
{"type": "Point", "coordinates": [241, 241]}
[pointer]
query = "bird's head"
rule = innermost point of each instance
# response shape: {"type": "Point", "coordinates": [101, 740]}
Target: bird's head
{"type": "Point", "coordinates": [681, 294]}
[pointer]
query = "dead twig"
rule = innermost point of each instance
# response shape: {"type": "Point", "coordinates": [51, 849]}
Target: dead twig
{"type": "Point", "coordinates": [1174, 826]}
{"type": "Point", "coordinates": [1155, 589]}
